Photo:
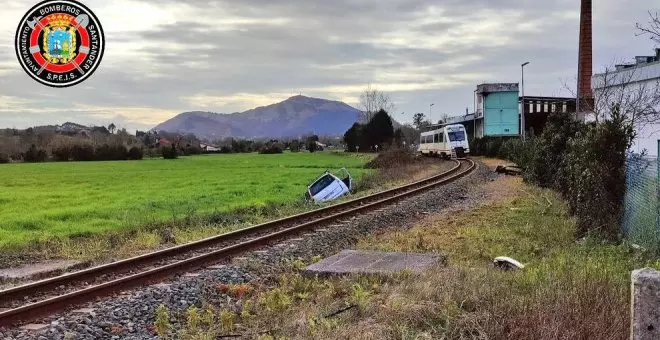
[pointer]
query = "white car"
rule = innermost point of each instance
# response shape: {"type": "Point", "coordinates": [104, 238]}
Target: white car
{"type": "Point", "coordinates": [329, 187]}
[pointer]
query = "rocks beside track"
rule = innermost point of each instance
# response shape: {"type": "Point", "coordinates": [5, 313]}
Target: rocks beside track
{"type": "Point", "coordinates": [131, 316]}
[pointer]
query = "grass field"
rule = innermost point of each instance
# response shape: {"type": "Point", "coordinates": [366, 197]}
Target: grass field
{"type": "Point", "coordinates": [41, 201]}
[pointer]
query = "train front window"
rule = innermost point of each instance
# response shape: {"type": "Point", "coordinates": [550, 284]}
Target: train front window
{"type": "Point", "coordinates": [456, 136]}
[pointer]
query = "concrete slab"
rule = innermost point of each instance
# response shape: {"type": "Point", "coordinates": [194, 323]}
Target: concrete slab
{"type": "Point", "coordinates": [39, 270]}
{"type": "Point", "coordinates": [83, 311]}
{"type": "Point", "coordinates": [217, 266]}
{"type": "Point", "coordinates": [162, 285]}
{"type": "Point", "coordinates": [373, 262]}
{"type": "Point", "coordinates": [34, 327]}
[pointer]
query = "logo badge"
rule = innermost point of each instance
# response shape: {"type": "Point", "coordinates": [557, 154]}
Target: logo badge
{"type": "Point", "coordinates": [59, 43]}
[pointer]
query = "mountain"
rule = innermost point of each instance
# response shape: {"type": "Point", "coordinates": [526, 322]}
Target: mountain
{"type": "Point", "coordinates": [298, 115]}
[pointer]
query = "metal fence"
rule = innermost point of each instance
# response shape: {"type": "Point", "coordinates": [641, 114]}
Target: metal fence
{"type": "Point", "coordinates": [641, 222]}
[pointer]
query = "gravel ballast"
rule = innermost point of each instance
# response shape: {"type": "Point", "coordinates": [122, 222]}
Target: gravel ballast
{"type": "Point", "coordinates": [131, 316]}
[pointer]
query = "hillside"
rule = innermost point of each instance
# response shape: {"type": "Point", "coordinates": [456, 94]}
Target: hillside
{"type": "Point", "coordinates": [298, 115]}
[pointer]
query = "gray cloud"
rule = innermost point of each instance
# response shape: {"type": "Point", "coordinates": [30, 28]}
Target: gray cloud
{"type": "Point", "coordinates": [426, 51]}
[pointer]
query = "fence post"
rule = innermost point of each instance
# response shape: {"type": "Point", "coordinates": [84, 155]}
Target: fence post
{"type": "Point", "coordinates": [645, 304]}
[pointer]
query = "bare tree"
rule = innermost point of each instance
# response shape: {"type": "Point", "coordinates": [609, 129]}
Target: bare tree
{"type": "Point", "coordinates": [652, 28]}
{"type": "Point", "coordinates": [639, 100]}
{"type": "Point", "coordinates": [444, 118]}
{"type": "Point", "coordinates": [372, 101]}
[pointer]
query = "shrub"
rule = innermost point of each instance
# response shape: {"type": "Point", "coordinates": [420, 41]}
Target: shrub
{"type": "Point", "coordinates": [82, 152]}
{"type": "Point", "coordinates": [392, 157]}
{"type": "Point", "coordinates": [4, 158]}
{"type": "Point", "coordinates": [272, 148]}
{"type": "Point", "coordinates": [135, 153]}
{"type": "Point", "coordinates": [169, 152]}
{"type": "Point", "coordinates": [190, 149]}
{"type": "Point", "coordinates": [35, 155]}
{"type": "Point", "coordinates": [295, 145]}
{"type": "Point", "coordinates": [62, 153]}
{"type": "Point", "coordinates": [547, 168]}
{"type": "Point", "coordinates": [107, 152]}
{"type": "Point", "coordinates": [595, 185]}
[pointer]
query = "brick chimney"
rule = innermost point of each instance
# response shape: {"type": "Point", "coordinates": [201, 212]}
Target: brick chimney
{"type": "Point", "coordinates": [585, 68]}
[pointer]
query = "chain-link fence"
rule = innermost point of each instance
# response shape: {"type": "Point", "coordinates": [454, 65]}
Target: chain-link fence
{"type": "Point", "coordinates": [641, 222]}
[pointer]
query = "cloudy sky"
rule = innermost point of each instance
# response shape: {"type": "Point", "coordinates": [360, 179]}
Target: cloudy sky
{"type": "Point", "coordinates": [164, 57]}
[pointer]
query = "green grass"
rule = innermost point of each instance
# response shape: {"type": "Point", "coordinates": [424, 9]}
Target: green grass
{"type": "Point", "coordinates": [42, 201]}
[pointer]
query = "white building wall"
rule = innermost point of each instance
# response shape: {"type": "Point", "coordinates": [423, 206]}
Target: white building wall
{"type": "Point", "coordinates": [630, 81]}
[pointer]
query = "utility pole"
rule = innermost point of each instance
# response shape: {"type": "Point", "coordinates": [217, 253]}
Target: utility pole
{"type": "Point", "coordinates": [430, 110]}
{"type": "Point", "coordinates": [522, 101]}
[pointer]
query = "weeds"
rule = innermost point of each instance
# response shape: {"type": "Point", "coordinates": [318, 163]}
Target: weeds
{"type": "Point", "coordinates": [162, 324]}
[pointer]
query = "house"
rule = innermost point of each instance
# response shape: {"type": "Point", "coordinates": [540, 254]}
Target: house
{"type": "Point", "coordinates": [164, 142]}
{"type": "Point", "coordinates": [208, 147]}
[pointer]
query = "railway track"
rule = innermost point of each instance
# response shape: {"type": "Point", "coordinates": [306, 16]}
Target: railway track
{"type": "Point", "coordinates": [45, 297]}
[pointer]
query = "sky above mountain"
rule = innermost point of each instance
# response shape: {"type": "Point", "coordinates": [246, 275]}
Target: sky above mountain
{"type": "Point", "coordinates": [164, 57]}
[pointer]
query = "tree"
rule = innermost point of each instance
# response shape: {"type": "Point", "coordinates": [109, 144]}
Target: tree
{"type": "Point", "coordinates": [112, 127]}
{"type": "Point", "coordinates": [652, 28]}
{"type": "Point", "coordinates": [410, 134]}
{"type": "Point", "coordinates": [352, 137]}
{"type": "Point", "coordinates": [398, 137]}
{"type": "Point", "coordinates": [372, 101]}
{"type": "Point", "coordinates": [418, 120]}
{"type": "Point", "coordinates": [638, 102]}
{"type": "Point", "coordinates": [443, 118]}
{"type": "Point", "coordinates": [311, 142]}
{"type": "Point", "coordinates": [294, 145]}
{"type": "Point", "coordinates": [379, 131]}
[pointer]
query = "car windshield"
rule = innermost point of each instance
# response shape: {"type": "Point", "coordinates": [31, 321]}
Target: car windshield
{"type": "Point", "coordinates": [456, 136]}
{"type": "Point", "coordinates": [321, 184]}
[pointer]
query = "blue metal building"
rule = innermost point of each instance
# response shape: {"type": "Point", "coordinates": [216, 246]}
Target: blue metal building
{"type": "Point", "coordinates": [497, 111]}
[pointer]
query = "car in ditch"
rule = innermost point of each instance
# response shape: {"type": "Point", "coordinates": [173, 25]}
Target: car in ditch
{"type": "Point", "coordinates": [329, 186]}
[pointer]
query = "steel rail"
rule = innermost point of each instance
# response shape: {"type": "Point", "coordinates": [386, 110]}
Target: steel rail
{"type": "Point", "coordinates": [61, 302]}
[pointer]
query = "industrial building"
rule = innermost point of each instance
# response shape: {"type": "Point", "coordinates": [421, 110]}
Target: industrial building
{"type": "Point", "coordinates": [497, 108]}
{"type": "Point", "coordinates": [625, 83]}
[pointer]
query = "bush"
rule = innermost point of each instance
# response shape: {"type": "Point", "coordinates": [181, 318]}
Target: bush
{"type": "Point", "coordinates": [82, 152]}
{"type": "Point", "coordinates": [595, 185]}
{"type": "Point", "coordinates": [62, 153]}
{"type": "Point", "coordinates": [295, 146]}
{"type": "Point", "coordinates": [392, 157]}
{"type": "Point", "coordinates": [4, 158]}
{"type": "Point", "coordinates": [583, 162]}
{"type": "Point", "coordinates": [272, 148]}
{"type": "Point", "coordinates": [190, 149]}
{"type": "Point", "coordinates": [35, 155]}
{"type": "Point", "coordinates": [135, 153]}
{"type": "Point", "coordinates": [169, 152]}
{"type": "Point", "coordinates": [107, 152]}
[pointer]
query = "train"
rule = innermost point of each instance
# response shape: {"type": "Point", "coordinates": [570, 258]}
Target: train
{"type": "Point", "coordinates": [449, 142]}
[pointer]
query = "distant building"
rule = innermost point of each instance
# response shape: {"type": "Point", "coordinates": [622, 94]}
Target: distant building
{"type": "Point", "coordinates": [625, 81]}
{"type": "Point", "coordinates": [498, 107]}
{"type": "Point", "coordinates": [496, 111]}
{"type": "Point", "coordinates": [164, 142]}
{"type": "Point", "coordinates": [208, 147]}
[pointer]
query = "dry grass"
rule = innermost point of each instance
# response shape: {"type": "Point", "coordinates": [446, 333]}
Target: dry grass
{"type": "Point", "coordinates": [568, 290]}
